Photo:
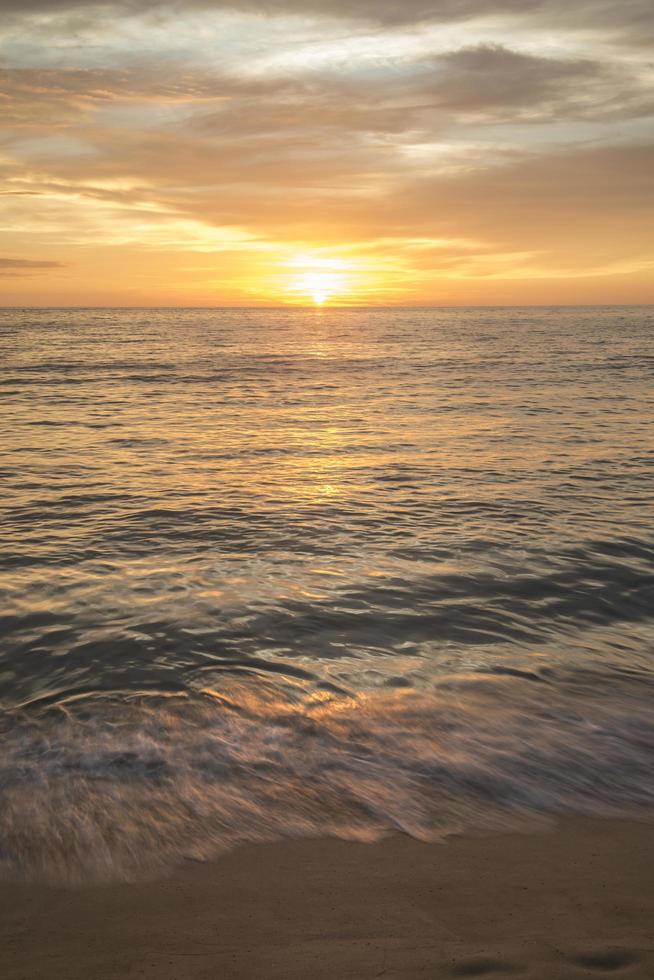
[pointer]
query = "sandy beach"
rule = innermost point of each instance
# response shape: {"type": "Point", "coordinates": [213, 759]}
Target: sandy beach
{"type": "Point", "coordinates": [574, 901]}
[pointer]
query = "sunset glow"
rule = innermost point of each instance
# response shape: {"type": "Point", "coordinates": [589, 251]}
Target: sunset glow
{"type": "Point", "coordinates": [325, 153]}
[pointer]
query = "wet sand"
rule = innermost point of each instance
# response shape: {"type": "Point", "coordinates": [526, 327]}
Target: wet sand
{"type": "Point", "coordinates": [575, 901]}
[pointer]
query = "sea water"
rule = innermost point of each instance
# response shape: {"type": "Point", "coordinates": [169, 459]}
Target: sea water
{"type": "Point", "coordinates": [292, 572]}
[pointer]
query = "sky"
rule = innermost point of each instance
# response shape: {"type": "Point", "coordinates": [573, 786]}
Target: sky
{"type": "Point", "coordinates": [348, 152]}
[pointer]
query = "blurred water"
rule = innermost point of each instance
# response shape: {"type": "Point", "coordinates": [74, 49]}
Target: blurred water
{"type": "Point", "coordinates": [274, 572]}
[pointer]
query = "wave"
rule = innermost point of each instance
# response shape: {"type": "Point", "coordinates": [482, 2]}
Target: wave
{"type": "Point", "coordinates": [126, 784]}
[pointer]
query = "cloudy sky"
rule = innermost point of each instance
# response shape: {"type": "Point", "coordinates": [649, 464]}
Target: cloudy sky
{"type": "Point", "coordinates": [349, 151]}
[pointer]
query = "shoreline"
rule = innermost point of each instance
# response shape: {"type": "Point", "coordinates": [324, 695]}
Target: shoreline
{"type": "Point", "coordinates": [572, 901]}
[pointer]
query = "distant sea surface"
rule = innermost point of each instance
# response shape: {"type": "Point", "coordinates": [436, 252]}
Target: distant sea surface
{"type": "Point", "coordinates": [274, 573]}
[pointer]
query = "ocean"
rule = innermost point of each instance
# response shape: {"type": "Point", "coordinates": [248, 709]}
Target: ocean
{"type": "Point", "coordinates": [295, 572]}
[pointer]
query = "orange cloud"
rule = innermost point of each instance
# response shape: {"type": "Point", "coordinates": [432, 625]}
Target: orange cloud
{"type": "Point", "coordinates": [476, 165]}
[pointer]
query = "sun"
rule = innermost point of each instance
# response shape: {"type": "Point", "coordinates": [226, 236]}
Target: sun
{"type": "Point", "coordinates": [319, 286]}
{"type": "Point", "coordinates": [317, 279]}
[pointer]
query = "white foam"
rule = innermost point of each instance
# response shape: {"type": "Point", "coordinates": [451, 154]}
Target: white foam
{"type": "Point", "coordinates": [116, 789]}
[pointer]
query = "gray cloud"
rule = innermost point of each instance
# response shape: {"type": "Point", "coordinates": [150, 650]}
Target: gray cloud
{"type": "Point", "coordinates": [486, 84]}
{"type": "Point", "coordinates": [28, 264]}
{"type": "Point", "coordinates": [635, 17]}
{"type": "Point", "coordinates": [51, 97]}
{"type": "Point", "coordinates": [493, 82]}
{"type": "Point", "coordinates": [492, 77]}
{"type": "Point", "coordinates": [19, 268]}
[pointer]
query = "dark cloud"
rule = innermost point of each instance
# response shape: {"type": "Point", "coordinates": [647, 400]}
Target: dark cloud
{"type": "Point", "coordinates": [492, 77]}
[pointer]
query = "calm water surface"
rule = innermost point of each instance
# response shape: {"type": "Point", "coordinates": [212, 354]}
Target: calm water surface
{"type": "Point", "coordinates": [286, 572]}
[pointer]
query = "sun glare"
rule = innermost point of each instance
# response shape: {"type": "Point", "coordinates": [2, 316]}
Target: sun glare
{"type": "Point", "coordinates": [319, 286]}
{"type": "Point", "coordinates": [318, 279]}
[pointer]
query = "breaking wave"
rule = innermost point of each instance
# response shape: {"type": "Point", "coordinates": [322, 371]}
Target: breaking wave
{"type": "Point", "coordinates": [118, 787]}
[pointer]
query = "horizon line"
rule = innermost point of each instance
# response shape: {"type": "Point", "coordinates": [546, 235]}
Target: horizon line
{"type": "Point", "coordinates": [323, 307]}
